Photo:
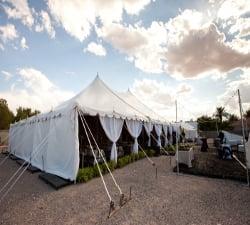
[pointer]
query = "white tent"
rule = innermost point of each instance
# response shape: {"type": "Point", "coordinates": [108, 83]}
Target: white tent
{"type": "Point", "coordinates": [50, 142]}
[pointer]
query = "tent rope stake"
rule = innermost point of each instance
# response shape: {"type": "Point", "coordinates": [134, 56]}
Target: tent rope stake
{"type": "Point", "coordinates": [112, 208]}
{"type": "Point", "coordinates": [92, 150]}
{"type": "Point", "coordinates": [106, 164]}
{"type": "Point", "coordinates": [123, 199]}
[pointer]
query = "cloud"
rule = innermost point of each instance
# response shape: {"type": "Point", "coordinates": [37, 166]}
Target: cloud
{"type": "Point", "coordinates": [96, 49]}
{"type": "Point", "coordinates": [7, 75]}
{"type": "Point", "coordinates": [233, 9]}
{"type": "Point", "coordinates": [33, 89]}
{"type": "Point", "coordinates": [230, 98]}
{"type": "Point", "coordinates": [78, 17]}
{"type": "Point", "coordinates": [143, 46]}
{"type": "Point", "coordinates": [23, 43]}
{"type": "Point", "coordinates": [19, 10]}
{"type": "Point", "coordinates": [8, 33]}
{"type": "Point", "coordinates": [184, 89]}
{"type": "Point", "coordinates": [241, 27]}
{"type": "Point", "coordinates": [45, 24]}
{"type": "Point", "coordinates": [161, 97]}
{"type": "Point", "coordinates": [202, 51]}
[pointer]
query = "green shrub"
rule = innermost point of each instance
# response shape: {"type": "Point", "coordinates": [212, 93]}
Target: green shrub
{"type": "Point", "coordinates": [85, 174]}
{"type": "Point", "coordinates": [88, 173]}
{"type": "Point", "coordinates": [150, 152]}
{"type": "Point", "coordinates": [141, 154]}
{"type": "Point", "coordinates": [133, 157]}
{"type": "Point", "coordinates": [112, 165]}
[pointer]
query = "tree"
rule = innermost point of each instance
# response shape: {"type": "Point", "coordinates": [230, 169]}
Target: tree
{"type": "Point", "coordinates": [24, 113]}
{"type": "Point", "coordinates": [220, 113]}
{"type": "Point", "coordinates": [6, 115]}
{"type": "Point", "coordinates": [232, 118]}
{"type": "Point", "coordinates": [247, 114]}
{"type": "Point", "coordinates": [206, 123]}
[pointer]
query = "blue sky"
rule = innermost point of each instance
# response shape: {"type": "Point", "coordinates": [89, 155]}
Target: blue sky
{"type": "Point", "coordinates": [197, 52]}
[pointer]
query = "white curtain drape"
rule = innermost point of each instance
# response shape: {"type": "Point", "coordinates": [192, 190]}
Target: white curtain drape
{"type": "Point", "coordinates": [171, 134]}
{"type": "Point", "coordinates": [148, 127]}
{"type": "Point", "coordinates": [165, 129]}
{"type": "Point", "coordinates": [134, 128]}
{"type": "Point", "coordinates": [158, 130]}
{"type": "Point", "coordinates": [112, 128]}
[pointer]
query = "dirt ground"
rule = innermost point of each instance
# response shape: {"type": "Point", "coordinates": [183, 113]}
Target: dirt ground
{"type": "Point", "coordinates": [169, 199]}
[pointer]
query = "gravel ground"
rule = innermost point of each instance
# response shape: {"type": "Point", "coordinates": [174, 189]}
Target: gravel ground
{"type": "Point", "coordinates": [170, 199]}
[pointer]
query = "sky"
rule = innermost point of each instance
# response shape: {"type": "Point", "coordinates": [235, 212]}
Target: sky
{"type": "Point", "coordinates": [195, 52]}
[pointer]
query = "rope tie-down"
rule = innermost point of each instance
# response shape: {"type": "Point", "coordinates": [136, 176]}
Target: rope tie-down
{"type": "Point", "coordinates": [123, 199]}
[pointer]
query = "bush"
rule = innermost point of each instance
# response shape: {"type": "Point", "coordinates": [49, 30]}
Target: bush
{"type": "Point", "coordinates": [85, 174]}
{"type": "Point", "coordinates": [141, 154]}
{"type": "Point", "coordinates": [88, 173]}
{"type": "Point", "coordinates": [150, 152]}
{"type": "Point", "coordinates": [112, 165]}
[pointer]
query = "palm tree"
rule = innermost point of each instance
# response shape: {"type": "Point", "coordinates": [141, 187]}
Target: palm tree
{"type": "Point", "coordinates": [220, 113]}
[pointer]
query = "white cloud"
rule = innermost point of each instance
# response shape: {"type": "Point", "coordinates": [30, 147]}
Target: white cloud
{"type": "Point", "coordinates": [34, 90]}
{"type": "Point", "coordinates": [241, 27]}
{"type": "Point", "coordinates": [144, 46]}
{"type": "Point", "coordinates": [8, 32]}
{"type": "Point", "coordinates": [7, 75]}
{"type": "Point", "coordinates": [19, 9]}
{"type": "Point", "coordinates": [78, 17]}
{"type": "Point", "coordinates": [184, 89]}
{"type": "Point", "coordinates": [243, 84]}
{"type": "Point", "coordinates": [23, 43]}
{"type": "Point", "coordinates": [202, 51]}
{"type": "Point", "coordinates": [161, 97]}
{"type": "Point", "coordinates": [233, 9]}
{"type": "Point", "coordinates": [134, 7]}
{"type": "Point", "coordinates": [45, 24]}
{"type": "Point", "coordinates": [96, 49]}
{"type": "Point", "coordinates": [179, 26]}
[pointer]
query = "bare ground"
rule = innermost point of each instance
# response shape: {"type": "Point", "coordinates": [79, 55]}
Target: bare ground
{"type": "Point", "coordinates": [169, 199]}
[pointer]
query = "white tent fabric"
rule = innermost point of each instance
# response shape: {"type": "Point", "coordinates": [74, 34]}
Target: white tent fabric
{"type": "Point", "coordinates": [171, 133]}
{"type": "Point", "coordinates": [134, 128]}
{"type": "Point", "coordinates": [158, 130]}
{"type": "Point", "coordinates": [140, 107]}
{"type": "Point", "coordinates": [99, 99]}
{"type": "Point", "coordinates": [148, 128]}
{"type": "Point", "coordinates": [50, 142]}
{"type": "Point", "coordinates": [112, 128]}
{"type": "Point", "coordinates": [189, 130]}
{"type": "Point", "coordinates": [165, 129]}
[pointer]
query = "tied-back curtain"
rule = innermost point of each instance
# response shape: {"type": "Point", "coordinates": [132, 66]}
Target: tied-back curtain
{"type": "Point", "coordinates": [134, 128]}
{"type": "Point", "coordinates": [148, 127]}
{"type": "Point", "coordinates": [112, 128]}
{"type": "Point", "coordinates": [158, 130]}
{"type": "Point", "coordinates": [171, 133]}
{"type": "Point", "coordinates": [165, 129]}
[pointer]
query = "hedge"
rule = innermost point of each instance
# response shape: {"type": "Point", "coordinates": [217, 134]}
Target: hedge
{"type": "Point", "coordinates": [88, 173]}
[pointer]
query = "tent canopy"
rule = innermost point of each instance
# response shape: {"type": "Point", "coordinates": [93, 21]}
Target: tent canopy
{"type": "Point", "coordinates": [98, 98]}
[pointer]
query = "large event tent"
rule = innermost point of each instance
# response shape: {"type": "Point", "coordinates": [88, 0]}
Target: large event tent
{"type": "Point", "coordinates": [50, 140]}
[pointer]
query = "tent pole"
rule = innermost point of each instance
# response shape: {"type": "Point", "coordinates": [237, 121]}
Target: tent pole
{"type": "Point", "coordinates": [177, 147]}
{"type": "Point", "coordinates": [243, 134]}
